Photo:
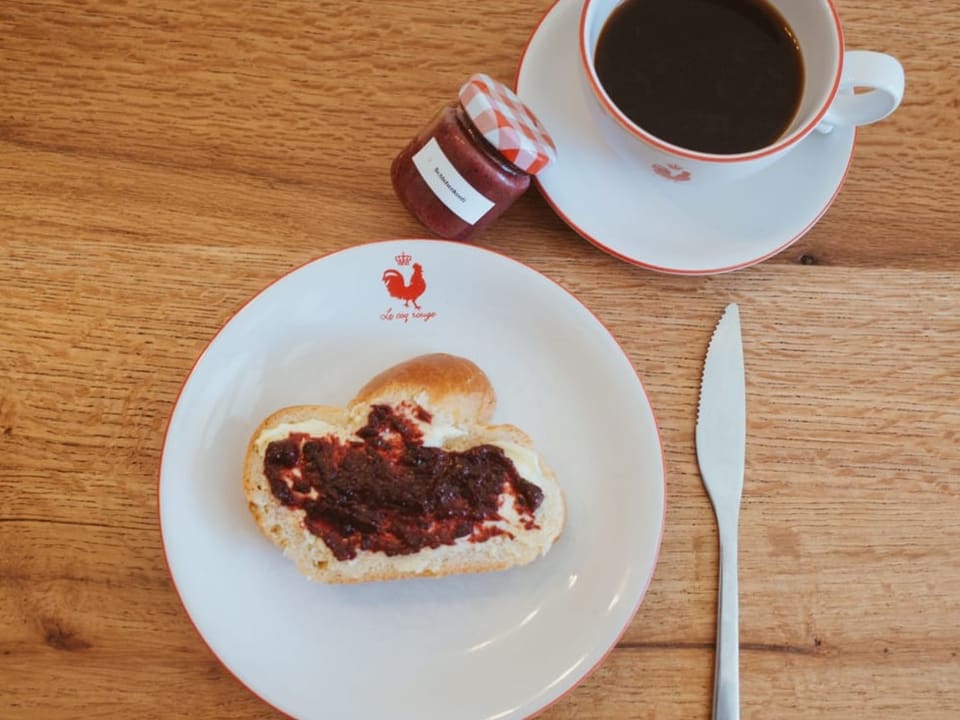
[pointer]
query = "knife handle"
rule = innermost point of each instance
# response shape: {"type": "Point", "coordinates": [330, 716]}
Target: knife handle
{"type": "Point", "coordinates": [726, 678]}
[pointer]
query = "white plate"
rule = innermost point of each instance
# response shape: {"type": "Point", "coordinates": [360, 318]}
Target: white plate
{"type": "Point", "coordinates": [500, 645]}
{"type": "Point", "coordinates": [634, 215]}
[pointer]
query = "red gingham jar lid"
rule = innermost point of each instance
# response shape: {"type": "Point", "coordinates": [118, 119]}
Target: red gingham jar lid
{"type": "Point", "coordinates": [507, 124]}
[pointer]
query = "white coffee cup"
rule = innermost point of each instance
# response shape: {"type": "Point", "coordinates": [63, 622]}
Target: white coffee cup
{"type": "Point", "coordinates": [831, 76]}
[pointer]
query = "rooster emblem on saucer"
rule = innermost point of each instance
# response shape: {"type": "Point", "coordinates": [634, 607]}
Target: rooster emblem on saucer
{"type": "Point", "coordinates": [399, 287]}
{"type": "Point", "coordinates": [671, 172]}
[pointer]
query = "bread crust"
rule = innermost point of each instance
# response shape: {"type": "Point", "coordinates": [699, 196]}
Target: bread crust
{"type": "Point", "coordinates": [452, 388]}
{"type": "Point", "coordinates": [456, 393]}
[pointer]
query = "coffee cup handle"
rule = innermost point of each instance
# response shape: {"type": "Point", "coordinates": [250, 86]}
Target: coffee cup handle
{"type": "Point", "coordinates": [871, 87]}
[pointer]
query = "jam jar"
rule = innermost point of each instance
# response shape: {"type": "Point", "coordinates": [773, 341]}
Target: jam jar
{"type": "Point", "coordinates": [472, 160]}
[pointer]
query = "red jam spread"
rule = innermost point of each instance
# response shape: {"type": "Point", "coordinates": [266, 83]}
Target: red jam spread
{"type": "Point", "coordinates": [386, 491]}
{"type": "Point", "coordinates": [482, 168]}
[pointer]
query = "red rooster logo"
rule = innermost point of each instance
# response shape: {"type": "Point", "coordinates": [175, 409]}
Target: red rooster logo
{"type": "Point", "coordinates": [671, 172]}
{"type": "Point", "coordinates": [398, 287]}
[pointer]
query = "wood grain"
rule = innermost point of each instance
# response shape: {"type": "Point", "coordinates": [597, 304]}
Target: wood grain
{"type": "Point", "coordinates": [160, 162]}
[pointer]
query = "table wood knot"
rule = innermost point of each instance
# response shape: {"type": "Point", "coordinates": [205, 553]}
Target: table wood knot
{"type": "Point", "coordinates": [61, 638]}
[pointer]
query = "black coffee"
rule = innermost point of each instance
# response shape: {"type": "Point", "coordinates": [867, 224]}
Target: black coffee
{"type": "Point", "coordinates": [717, 76]}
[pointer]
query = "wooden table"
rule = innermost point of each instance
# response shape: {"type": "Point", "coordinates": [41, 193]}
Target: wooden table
{"type": "Point", "coordinates": [160, 162]}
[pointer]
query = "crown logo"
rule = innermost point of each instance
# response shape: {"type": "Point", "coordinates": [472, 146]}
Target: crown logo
{"type": "Point", "coordinates": [403, 258]}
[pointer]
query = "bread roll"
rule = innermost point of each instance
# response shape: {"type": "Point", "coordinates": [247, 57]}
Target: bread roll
{"type": "Point", "coordinates": [409, 479]}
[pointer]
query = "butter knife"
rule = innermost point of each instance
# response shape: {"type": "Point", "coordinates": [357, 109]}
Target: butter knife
{"type": "Point", "coordinates": [721, 448]}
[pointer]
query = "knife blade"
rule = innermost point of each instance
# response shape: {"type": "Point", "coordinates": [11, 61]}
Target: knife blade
{"type": "Point", "coordinates": [721, 452]}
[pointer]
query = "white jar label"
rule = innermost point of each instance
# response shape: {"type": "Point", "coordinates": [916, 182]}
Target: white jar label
{"type": "Point", "coordinates": [449, 185]}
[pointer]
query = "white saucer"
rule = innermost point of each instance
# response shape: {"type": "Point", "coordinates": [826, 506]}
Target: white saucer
{"type": "Point", "coordinates": [643, 219]}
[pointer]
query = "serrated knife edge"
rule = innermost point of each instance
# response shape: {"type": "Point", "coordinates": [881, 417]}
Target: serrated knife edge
{"type": "Point", "coordinates": [721, 410]}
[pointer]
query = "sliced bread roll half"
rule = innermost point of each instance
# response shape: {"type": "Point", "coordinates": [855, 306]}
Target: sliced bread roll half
{"type": "Point", "coordinates": [408, 480]}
